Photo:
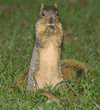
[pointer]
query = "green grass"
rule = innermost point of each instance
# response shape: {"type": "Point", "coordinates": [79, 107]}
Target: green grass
{"type": "Point", "coordinates": [16, 44]}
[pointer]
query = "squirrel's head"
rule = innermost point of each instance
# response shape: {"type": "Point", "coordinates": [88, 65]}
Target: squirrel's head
{"type": "Point", "coordinates": [49, 14]}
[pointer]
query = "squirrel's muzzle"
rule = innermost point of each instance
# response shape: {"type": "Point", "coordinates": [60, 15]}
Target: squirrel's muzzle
{"type": "Point", "coordinates": [50, 20]}
{"type": "Point", "coordinates": [51, 23]}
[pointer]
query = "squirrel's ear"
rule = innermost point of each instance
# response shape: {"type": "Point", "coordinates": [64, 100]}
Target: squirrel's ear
{"type": "Point", "coordinates": [41, 9]}
{"type": "Point", "coordinates": [55, 5]}
{"type": "Point", "coordinates": [42, 5]}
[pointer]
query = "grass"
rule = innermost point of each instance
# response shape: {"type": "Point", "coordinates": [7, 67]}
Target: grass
{"type": "Point", "coordinates": [16, 44]}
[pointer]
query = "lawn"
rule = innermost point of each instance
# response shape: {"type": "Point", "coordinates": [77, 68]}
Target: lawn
{"type": "Point", "coordinates": [81, 21]}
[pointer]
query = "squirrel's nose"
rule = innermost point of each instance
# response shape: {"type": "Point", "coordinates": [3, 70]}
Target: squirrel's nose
{"type": "Point", "coordinates": [51, 20]}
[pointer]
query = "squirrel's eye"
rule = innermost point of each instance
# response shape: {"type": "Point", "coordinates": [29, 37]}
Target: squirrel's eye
{"type": "Point", "coordinates": [43, 14]}
{"type": "Point", "coordinates": [57, 14]}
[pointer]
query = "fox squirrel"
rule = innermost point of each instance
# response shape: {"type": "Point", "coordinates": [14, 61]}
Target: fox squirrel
{"type": "Point", "coordinates": [45, 63]}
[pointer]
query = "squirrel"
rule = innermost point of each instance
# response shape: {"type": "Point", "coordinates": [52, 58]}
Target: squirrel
{"type": "Point", "coordinates": [46, 67]}
{"type": "Point", "coordinates": [45, 62]}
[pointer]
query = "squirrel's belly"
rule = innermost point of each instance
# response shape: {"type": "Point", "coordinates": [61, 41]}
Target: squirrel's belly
{"type": "Point", "coordinates": [48, 61]}
{"type": "Point", "coordinates": [48, 57]}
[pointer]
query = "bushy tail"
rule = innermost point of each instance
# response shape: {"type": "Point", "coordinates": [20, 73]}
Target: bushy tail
{"type": "Point", "coordinates": [73, 66]}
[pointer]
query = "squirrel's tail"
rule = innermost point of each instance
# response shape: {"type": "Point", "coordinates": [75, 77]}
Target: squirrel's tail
{"type": "Point", "coordinates": [73, 68]}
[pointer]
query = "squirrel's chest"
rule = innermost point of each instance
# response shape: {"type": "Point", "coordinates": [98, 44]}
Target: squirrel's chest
{"type": "Point", "coordinates": [49, 54]}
